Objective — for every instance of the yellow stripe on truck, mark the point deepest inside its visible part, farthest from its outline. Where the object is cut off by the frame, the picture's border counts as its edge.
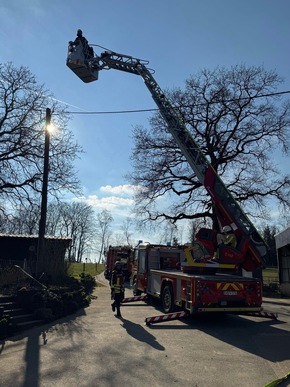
(230, 285)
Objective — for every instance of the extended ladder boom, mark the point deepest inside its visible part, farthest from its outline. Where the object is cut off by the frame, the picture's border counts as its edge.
(228, 210)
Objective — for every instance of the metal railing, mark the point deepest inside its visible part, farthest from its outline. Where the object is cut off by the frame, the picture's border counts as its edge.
(30, 276)
(12, 273)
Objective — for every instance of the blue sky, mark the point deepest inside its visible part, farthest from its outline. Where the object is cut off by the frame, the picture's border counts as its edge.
(178, 37)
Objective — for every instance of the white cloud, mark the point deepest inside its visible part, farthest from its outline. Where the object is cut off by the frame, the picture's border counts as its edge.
(112, 198)
(109, 203)
(119, 201)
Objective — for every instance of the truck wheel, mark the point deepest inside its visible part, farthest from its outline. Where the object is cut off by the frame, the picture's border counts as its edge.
(167, 299)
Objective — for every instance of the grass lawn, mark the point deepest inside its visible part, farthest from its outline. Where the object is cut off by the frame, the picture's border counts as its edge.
(75, 269)
(270, 275)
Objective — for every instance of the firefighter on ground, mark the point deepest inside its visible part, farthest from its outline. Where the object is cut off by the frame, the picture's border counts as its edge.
(117, 288)
(227, 238)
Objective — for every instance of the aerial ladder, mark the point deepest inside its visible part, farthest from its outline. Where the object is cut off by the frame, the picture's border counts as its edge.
(251, 252)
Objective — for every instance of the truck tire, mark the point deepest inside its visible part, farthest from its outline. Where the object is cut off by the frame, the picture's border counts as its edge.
(167, 299)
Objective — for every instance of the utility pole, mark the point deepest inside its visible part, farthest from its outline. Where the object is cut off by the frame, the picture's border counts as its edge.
(42, 222)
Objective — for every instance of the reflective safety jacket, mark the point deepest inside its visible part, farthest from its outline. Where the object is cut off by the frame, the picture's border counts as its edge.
(117, 282)
(230, 240)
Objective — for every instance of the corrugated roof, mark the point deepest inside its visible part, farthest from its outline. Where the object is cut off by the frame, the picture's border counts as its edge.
(33, 236)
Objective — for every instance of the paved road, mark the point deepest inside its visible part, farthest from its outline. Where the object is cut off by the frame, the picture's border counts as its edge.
(93, 348)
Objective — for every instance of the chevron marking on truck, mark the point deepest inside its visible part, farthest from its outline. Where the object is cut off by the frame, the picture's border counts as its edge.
(230, 285)
(165, 317)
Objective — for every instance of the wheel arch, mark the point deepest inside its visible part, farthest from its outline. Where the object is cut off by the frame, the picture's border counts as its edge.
(167, 281)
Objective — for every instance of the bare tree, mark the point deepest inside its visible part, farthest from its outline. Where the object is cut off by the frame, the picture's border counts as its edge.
(24, 220)
(54, 218)
(104, 220)
(194, 226)
(117, 239)
(22, 122)
(127, 223)
(284, 220)
(169, 233)
(77, 221)
(238, 122)
(269, 233)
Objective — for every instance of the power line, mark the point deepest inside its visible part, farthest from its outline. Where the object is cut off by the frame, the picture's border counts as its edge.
(118, 111)
(156, 109)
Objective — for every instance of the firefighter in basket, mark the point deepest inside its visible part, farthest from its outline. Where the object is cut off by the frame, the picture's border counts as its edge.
(227, 238)
(117, 288)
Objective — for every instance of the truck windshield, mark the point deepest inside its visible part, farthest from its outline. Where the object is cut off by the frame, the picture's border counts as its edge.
(142, 261)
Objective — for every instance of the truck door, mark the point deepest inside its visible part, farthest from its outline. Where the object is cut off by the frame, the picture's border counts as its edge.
(142, 270)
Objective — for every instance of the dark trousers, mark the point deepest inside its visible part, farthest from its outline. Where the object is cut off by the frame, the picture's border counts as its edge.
(118, 298)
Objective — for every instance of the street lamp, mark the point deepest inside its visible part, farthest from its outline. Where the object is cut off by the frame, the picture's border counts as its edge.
(42, 222)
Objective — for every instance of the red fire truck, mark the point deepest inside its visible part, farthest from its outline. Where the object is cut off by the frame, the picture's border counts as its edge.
(188, 276)
(121, 253)
(185, 276)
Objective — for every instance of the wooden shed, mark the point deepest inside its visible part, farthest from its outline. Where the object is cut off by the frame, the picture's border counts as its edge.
(21, 250)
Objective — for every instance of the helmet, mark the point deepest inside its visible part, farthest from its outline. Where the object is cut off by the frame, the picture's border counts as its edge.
(117, 265)
(227, 229)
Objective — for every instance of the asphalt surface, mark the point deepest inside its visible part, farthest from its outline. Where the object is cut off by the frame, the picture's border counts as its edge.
(94, 348)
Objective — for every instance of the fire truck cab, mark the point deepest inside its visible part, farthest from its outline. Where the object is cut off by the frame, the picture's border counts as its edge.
(123, 255)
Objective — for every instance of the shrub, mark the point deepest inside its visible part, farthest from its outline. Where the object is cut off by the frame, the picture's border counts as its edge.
(45, 314)
(88, 282)
(37, 299)
(4, 326)
(30, 298)
(24, 297)
(56, 301)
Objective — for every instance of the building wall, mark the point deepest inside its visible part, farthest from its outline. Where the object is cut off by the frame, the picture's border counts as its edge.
(283, 253)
